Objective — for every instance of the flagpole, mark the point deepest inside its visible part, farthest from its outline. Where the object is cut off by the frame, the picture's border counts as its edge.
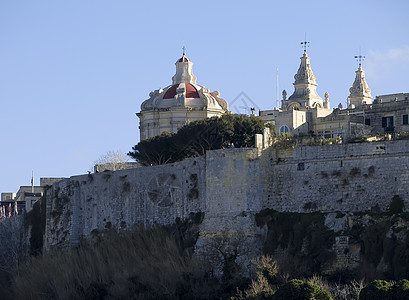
(32, 181)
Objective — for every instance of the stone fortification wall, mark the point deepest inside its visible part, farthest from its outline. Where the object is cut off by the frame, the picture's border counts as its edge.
(81, 205)
(235, 185)
(229, 187)
(14, 242)
(346, 177)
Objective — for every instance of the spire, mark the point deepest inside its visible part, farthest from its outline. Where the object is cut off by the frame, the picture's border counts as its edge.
(360, 93)
(184, 72)
(305, 86)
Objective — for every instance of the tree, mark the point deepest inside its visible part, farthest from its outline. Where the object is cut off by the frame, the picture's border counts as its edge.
(154, 151)
(112, 160)
(195, 138)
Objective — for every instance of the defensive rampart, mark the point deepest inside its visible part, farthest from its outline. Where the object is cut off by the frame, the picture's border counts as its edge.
(230, 187)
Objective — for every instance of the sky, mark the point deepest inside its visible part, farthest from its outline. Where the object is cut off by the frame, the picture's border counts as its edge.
(74, 73)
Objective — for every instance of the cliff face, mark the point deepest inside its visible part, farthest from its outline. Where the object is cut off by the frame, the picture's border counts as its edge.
(315, 201)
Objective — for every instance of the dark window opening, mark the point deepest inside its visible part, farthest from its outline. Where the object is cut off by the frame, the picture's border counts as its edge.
(300, 167)
(368, 122)
(405, 120)
(387, 123)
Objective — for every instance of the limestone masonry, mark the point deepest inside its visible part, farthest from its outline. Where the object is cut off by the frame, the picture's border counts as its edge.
(230, 187)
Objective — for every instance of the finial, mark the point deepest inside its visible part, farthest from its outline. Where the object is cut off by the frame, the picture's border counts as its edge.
(305, 43)
(184, 49)
(359, 58)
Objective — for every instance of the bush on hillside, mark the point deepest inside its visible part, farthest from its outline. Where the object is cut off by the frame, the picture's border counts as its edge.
(381, 289)
(299, 290)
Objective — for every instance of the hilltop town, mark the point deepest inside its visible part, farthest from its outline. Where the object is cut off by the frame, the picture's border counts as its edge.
(320, 203)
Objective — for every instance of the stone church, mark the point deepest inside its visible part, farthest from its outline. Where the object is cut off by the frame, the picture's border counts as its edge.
(304, 113)
(178, 104)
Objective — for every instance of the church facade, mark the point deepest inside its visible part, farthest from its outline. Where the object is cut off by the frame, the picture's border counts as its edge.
(304, 113)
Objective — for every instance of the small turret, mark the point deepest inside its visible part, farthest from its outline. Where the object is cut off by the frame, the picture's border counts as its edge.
(360, 93)
(184, 72)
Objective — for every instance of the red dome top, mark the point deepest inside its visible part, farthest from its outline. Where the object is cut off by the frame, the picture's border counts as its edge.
(184, 59)
(191, 91)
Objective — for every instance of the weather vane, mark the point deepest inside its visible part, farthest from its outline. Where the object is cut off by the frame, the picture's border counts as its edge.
(359, 58)
(305, 43)
(184, 49)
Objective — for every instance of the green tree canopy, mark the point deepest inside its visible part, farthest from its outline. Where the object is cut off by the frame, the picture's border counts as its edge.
(195, 138)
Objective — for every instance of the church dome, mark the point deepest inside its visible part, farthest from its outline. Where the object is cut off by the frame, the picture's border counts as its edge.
(182, 102)
(183, 59)
(191, 91)
(184, 92)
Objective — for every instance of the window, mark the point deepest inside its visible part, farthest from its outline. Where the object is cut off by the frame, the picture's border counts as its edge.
(405, 119)
(284, 129)
(387, 122)
(368, 122)
(300, 167)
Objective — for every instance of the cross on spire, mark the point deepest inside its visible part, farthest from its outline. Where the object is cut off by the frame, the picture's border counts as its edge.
(184, 50)
(359, 58)
(305, 43)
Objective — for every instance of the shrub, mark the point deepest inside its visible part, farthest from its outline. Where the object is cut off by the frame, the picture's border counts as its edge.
(298, 290)
(267, 278)
(377, 289)
(381, 289)
(400, 290)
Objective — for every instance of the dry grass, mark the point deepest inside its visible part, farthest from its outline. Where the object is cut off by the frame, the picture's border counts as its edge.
(142, 262)
(146, 264)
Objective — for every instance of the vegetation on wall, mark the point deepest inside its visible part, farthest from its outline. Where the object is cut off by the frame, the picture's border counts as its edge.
(303, 236)
(195, 138)
(303, 244)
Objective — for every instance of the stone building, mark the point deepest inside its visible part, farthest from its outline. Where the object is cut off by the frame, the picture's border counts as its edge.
(304, 112)
(184, 101)
(299, 112)
(28, 195)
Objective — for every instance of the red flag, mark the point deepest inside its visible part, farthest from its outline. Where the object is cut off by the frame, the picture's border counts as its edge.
(9, 214)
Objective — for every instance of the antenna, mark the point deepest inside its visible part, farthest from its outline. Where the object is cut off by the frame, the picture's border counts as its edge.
(184, 50)
(277, 89)
(305, 44)
(359, 58)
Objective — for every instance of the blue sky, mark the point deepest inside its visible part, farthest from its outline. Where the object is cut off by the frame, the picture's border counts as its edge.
(74, 73)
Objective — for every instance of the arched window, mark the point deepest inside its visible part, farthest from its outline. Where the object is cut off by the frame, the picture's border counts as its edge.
(284, 129)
